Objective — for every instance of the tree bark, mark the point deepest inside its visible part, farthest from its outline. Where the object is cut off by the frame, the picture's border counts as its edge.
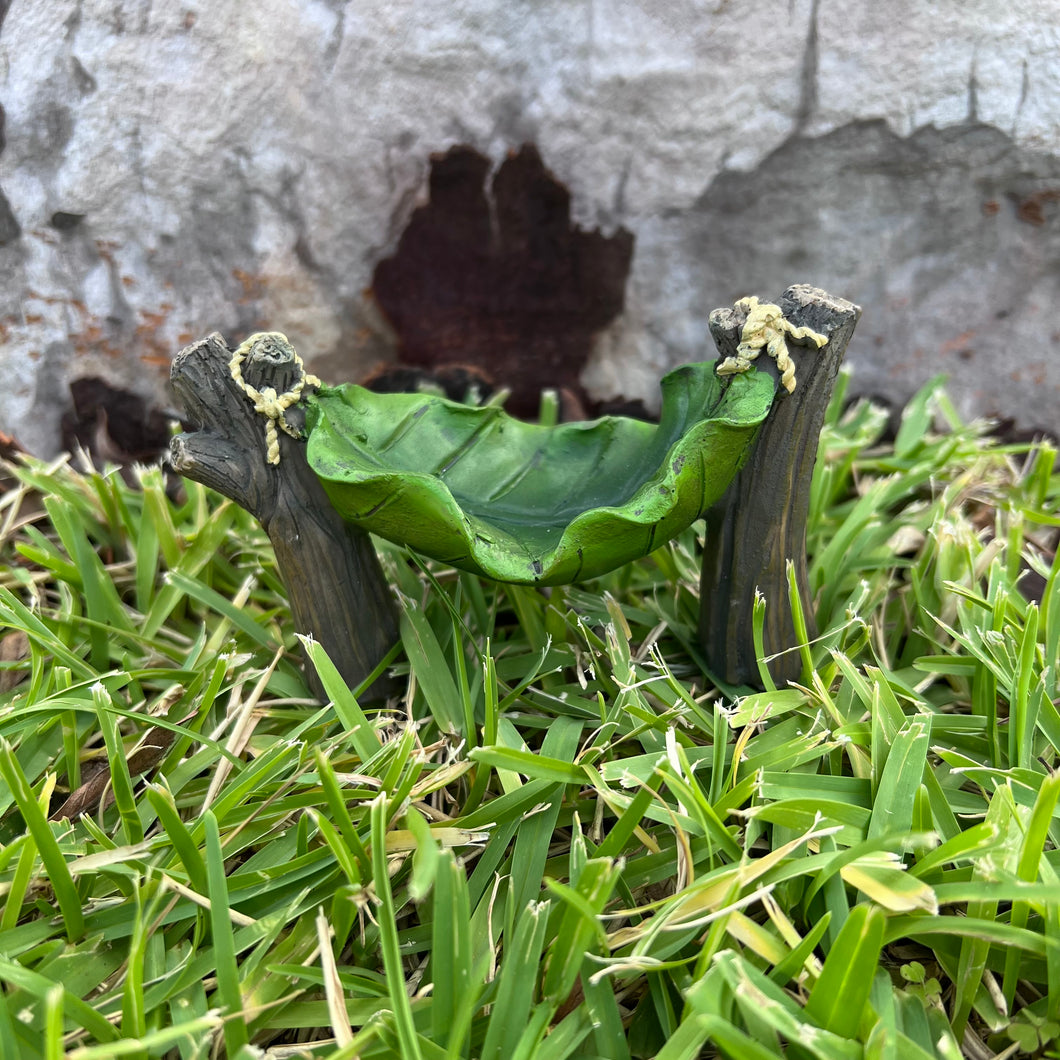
(336, 588)
(760, 523)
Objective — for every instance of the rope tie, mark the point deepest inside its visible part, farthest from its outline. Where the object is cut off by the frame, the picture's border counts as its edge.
(266, 401)
(766, 326)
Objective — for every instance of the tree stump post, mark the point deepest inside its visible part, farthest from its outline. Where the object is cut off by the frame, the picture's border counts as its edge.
(335, 586)
(760, 522)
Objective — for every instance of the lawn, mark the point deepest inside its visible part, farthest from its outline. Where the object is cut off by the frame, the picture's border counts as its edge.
(561, 839)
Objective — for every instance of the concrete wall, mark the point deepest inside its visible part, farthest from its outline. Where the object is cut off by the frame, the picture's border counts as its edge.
(174, 167)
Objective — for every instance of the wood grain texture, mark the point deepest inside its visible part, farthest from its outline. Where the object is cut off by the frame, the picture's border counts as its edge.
(760, 523)
(335, 586)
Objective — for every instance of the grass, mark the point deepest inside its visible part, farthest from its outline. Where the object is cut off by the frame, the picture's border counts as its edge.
(563, 841)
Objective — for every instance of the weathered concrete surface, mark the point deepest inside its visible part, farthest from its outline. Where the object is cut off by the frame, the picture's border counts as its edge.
(949, 238)
(175, 167)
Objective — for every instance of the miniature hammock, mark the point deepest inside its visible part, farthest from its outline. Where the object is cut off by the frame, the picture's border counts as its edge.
(520, 502)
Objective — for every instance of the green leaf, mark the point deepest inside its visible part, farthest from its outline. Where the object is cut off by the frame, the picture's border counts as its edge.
(53, 1023)
(361, 733)
(900, 780)
(791, 965)
(764, 1005)
(162, 802)
(429, 664)
(238, 616)
(917, 417)
(733, 1041)
(388, 935)
(536, 766)
(121, 781)
(229, 992)
(536, 831)
(687, 1041)
(1031, 855)
(36, 985)
(451, 965)
(424, 856)
(606, 1018)
(882, 877)
(133, 1015)
(527, 503)
(579, 924)
(14, 613)
(838, 997)
(9, 1047)
(518, 978)
(51, 855)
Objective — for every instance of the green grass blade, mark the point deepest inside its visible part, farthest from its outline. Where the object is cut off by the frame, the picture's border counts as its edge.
(201, 550)
(226, 967)
(798, 617)
(451, 960)
(605, 1016)
(359, 729)
(37, 986)
(121, 781)
(388, 936)
(66, 896)
(186, 849)
(1035, 839)
(791, 966)
(340, 815)
(158, 514)
(517, 983)
(535, 834)
(9, 1044)
(838, 998)
(536, 766)
(53, 1023)
(240, 617)
(18, 884)
(16, 615)
(431, 668)
(579, 925)
(1020, 724)
(896, 792)
(133, 1014)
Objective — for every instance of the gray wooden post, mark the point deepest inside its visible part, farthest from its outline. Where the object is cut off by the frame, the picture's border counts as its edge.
(760, 523)
(335, 586)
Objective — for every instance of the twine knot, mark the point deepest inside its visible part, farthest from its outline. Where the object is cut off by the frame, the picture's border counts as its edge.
(766, 326)
(267, 401)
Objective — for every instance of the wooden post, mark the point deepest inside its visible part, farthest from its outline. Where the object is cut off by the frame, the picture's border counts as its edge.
(335, 585)
(760, 523)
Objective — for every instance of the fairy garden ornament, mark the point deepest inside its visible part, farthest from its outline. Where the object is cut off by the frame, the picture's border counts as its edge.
(322, 467)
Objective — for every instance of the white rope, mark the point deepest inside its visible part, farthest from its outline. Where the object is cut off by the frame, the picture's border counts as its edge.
(267, 401)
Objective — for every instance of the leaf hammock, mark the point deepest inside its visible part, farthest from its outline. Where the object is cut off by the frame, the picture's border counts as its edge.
(520, 502)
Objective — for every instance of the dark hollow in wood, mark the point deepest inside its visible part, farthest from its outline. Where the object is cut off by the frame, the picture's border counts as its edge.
(335, 585)
(760, 523)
